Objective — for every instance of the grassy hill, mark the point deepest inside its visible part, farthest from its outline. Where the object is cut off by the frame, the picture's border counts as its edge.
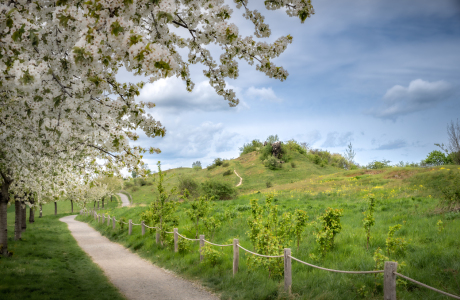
(411, 197)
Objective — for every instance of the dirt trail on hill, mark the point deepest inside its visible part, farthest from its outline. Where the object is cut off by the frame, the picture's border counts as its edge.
(124, 199)
(136, 278)
(241, 179)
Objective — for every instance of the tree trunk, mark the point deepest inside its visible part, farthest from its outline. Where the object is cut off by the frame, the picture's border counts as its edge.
(55, 208)
(71, 204)
(17, 220)
(102, 202)
(31, 210)
(111, 198)
(40, 211)
(4, 227)
(23, 216)
(97, 204)
(94, 204)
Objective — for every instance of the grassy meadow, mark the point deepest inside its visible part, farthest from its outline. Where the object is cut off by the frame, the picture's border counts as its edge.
(407, 196)
(48, 263)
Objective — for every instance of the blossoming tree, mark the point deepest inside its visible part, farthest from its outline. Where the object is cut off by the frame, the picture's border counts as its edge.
(59, 97)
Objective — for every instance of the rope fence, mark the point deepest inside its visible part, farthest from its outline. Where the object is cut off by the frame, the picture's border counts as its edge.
(389, 272)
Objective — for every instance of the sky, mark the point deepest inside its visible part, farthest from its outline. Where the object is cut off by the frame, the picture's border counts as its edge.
(383, 75)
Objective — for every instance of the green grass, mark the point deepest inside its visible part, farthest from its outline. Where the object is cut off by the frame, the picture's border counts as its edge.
(48, 264)
(404, 196)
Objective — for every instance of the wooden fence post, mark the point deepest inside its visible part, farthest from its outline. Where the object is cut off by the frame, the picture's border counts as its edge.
(130, 227)
(113, 222)
(157, 236)
(143, 227)
(176, 237)
(389, 280)
(236, 256)
(201, 245)
(103, 219)
(108, 220)
(287, 270)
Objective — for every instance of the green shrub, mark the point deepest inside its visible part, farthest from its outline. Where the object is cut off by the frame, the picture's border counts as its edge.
(190, 184)
(294, 146)
(269, 184)
(228, 172)
(272, 163)
(225, 164)
(210, 167)
(196, 165)
(293, 164)
(218, 162)
(218, 189)
(255, 145)
(243, 207)
(378, 164)
(128, 184)
(327, 226)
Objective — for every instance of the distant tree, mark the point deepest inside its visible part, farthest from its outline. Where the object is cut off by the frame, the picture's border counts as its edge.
(437, 158)
(196, 165)
(379, 164)
(134, 174)
(272, 138)
(255, 145)
(453, 132)
(350, 154)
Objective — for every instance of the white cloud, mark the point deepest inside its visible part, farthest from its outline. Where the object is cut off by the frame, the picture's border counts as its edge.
(419, 95)
(262, 94)
(334, 139)
(310, 137)
(170, 95)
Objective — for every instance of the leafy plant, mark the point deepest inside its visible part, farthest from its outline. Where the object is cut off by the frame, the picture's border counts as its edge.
(327, 226)
(369, 219)
(211, 255)
(211, 224)
(269, 234)
(268, 183)
(199, 209)
(184, 245)
(395, 245)
(300, 222)
(378, 164)
(196, 165)
(293, 164)
(218, 162)
(122, 222)
(161, 211)
(225, 164)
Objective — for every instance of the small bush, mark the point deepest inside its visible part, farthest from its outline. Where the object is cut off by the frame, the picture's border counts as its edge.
(293, 164)
(225, 164)
(210, 167)
(228, 172)
(255, 145)
(243, 207)
(378, 164)
(128, 184)
(218, 162)
(272, 163)
(218, 189)
(269, 184)
(190, 184)
(135, 188)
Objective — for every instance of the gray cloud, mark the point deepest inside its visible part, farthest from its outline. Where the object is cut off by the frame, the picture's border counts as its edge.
(310, 137)
(396, 144)
(419, 95)
(334, 139)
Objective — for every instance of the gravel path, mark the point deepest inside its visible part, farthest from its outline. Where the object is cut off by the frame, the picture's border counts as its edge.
(124, 199)
(241, 179)
(135, 277)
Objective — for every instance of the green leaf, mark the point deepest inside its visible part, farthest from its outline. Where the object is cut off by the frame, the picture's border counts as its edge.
(18, 33)
(162, 65)
(116, 28)
(163, 14)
